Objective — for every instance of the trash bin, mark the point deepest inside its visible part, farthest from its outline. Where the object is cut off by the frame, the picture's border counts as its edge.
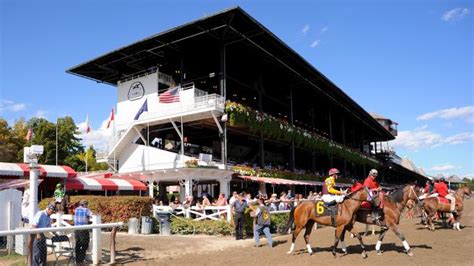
(133, 226)
(147, 225)
(164, 220)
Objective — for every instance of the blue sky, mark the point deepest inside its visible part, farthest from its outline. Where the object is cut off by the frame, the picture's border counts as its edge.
(411, 61)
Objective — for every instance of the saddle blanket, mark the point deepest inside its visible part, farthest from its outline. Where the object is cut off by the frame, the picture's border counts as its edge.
(443, 200)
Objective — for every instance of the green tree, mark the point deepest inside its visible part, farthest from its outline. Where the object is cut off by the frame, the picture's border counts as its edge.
(44, 133)
(79, 160)
(19, 131)
(8, 149)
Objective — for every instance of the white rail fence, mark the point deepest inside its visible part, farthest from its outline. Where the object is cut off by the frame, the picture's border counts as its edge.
(62, 227)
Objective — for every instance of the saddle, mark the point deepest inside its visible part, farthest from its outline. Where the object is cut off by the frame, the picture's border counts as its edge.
(327, 209)
(443, 200)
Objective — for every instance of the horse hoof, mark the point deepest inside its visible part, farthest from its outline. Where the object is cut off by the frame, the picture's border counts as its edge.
(289, 253)
(364, 255)
(409, 253)
(379, 252)
(311, 253)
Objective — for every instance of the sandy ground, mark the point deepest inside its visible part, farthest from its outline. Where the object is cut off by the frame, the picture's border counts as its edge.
(442, 247)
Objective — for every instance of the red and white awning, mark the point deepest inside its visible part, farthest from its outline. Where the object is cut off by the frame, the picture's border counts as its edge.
(9, 170)
(17, 183)
(102, 184)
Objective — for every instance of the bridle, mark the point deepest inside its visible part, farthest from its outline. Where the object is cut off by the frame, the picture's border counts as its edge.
(369, 196)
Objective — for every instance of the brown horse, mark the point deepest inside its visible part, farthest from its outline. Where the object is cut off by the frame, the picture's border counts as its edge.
(392, 209)
(432, 205)
(306, 214)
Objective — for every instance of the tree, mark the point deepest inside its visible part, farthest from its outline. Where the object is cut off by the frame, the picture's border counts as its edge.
(8, 149)
(78, 161)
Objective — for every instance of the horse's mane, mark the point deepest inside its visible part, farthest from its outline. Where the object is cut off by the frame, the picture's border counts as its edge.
(397, 196)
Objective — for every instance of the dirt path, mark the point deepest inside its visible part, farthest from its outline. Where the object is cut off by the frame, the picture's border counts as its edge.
(442, 247)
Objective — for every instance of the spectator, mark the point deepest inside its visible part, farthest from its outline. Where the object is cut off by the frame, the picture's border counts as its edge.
(81, 217)
(221, 201)
(263, 220)
(205, 201)
(233, 198)
(273, 202)
(41, 219)
(175, 204)
(238, 208)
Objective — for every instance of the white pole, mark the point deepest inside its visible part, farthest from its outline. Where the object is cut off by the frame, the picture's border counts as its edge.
(96, 241)
(33, 207)
(57, 122)
(115, 159)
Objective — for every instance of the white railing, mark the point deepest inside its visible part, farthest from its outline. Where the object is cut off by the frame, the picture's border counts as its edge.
(96, 236)
(213, 212)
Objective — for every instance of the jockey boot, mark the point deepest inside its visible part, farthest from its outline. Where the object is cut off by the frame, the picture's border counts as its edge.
(331, 203)
(454, 212)
(376, 218)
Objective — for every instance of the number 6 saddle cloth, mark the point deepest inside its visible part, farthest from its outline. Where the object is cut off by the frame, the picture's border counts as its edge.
(326, 209)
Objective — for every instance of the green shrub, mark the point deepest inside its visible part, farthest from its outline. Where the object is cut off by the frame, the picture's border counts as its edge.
(113, 208)
(208, 227)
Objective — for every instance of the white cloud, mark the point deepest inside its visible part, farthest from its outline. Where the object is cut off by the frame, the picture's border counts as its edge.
(11, 106)
(323, 30)
(460, 138)
(101, 138)
(422, 138)
(305, 29)
(315, 43)
(41, 114)
(456, 14)
(466, 112)
(442, 167)
(417, 139)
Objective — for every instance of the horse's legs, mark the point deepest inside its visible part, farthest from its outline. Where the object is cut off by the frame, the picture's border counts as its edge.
(298, 229)
(307, 233)
(397, 232)
(343, 244)
(337, 234)
(350, 228)
(379, 241)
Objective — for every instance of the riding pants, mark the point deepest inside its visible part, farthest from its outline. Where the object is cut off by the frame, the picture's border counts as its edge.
(452, 199)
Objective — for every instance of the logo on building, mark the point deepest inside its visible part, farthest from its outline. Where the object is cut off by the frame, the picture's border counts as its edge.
(136, 91)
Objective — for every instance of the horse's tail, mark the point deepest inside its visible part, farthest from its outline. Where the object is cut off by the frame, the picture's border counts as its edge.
(291, 219)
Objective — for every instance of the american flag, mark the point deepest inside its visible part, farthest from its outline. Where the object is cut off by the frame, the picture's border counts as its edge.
(170, 96)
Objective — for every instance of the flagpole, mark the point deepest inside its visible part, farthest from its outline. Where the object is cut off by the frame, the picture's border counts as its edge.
(57, 122)
(86, 159)
(113, 129)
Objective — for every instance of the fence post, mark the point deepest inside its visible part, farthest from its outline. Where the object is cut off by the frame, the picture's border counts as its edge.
(229, 213)
(59, 223)
(96, 241)
(112, 245)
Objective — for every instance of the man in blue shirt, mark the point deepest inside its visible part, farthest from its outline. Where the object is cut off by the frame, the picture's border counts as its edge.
(81, 217)
(42, 219)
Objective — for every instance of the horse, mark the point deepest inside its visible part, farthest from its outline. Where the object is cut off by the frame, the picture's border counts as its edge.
(307, 213)
(392, 209)
(63, 205)
(433, 205)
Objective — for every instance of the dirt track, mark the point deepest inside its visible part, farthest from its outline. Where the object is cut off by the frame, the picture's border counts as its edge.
(442, 247)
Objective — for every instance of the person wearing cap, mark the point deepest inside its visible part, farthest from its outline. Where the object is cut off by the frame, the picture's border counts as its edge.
(371, 183)
(262, 223)
(82, 214)
(58, 193)
(41, 219)
(330, 193)
(442, 189)
(356, 185)
(238, 208)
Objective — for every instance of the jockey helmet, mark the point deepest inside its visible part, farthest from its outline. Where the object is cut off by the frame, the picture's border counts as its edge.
(373, 172)
(334, 171)
(442, 179)
(59, 185)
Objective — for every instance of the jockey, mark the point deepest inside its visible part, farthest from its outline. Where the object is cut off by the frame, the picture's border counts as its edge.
(356, 185)
(58, 193)
(442, 190)
(375, 188)
(330, 194)
(428, 190)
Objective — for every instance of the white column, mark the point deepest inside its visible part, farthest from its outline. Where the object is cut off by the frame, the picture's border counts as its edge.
(224, 187)
(33, 207)
(150, 187)
(96, 240)
(188, 187)
(262, 187)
